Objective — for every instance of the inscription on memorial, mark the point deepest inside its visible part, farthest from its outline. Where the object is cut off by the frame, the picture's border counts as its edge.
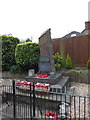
(44, 59)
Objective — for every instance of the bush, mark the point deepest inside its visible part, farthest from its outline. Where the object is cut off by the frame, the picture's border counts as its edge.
(57, 66)
(8, 51)
(15, 69)
(88, 63)
(27, 55)
(68, 62)
(58, 60)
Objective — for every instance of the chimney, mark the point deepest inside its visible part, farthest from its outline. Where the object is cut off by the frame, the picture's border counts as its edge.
(87, 25)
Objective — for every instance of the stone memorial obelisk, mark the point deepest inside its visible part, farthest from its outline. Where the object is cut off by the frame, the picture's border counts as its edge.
(46, 63)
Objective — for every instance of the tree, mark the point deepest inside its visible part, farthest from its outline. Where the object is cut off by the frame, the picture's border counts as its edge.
(28, 40)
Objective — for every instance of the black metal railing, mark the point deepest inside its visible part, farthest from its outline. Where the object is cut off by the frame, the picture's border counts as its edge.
(28, 103)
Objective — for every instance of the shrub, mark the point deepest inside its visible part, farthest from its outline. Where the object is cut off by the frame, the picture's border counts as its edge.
(68, 62)
(27, 55)
(15, 69)
(58, 60)
(88, 63)
(57, 66)
(8, 51)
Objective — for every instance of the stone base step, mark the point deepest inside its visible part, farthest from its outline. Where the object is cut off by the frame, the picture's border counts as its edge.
(61, 85)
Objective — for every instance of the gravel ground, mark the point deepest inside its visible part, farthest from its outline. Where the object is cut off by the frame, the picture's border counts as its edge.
(81, 105)
(81, 89)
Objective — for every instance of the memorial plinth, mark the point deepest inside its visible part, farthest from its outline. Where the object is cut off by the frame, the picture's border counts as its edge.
(50, 80)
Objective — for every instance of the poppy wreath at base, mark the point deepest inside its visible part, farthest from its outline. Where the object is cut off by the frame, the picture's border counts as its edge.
(37, 86)
(43, 75)
(51, 115)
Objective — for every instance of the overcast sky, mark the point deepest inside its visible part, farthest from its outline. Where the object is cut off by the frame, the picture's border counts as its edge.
(30, 18)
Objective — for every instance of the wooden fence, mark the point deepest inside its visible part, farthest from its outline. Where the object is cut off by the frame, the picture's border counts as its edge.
(77, 47)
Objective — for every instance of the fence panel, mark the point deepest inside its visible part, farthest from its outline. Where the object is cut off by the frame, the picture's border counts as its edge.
(77, 47)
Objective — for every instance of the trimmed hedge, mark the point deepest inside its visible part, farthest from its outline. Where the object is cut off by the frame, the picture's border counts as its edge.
(8, 51)
(27, 55)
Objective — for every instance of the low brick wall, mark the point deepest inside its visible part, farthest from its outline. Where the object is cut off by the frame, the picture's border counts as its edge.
(75, 77)
(10, 75)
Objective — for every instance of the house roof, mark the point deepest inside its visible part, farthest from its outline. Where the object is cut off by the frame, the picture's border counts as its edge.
(69, 35)
(72, 34)
(86, 31)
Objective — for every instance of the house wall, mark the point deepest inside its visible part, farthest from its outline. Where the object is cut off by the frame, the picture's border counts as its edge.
(76, 47)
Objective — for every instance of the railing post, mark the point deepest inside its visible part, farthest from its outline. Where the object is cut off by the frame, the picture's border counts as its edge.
(14, 100)
(30, 102)
(33, 100)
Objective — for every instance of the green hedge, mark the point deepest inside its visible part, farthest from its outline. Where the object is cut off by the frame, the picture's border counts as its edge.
(27, 55)
(8, 51)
